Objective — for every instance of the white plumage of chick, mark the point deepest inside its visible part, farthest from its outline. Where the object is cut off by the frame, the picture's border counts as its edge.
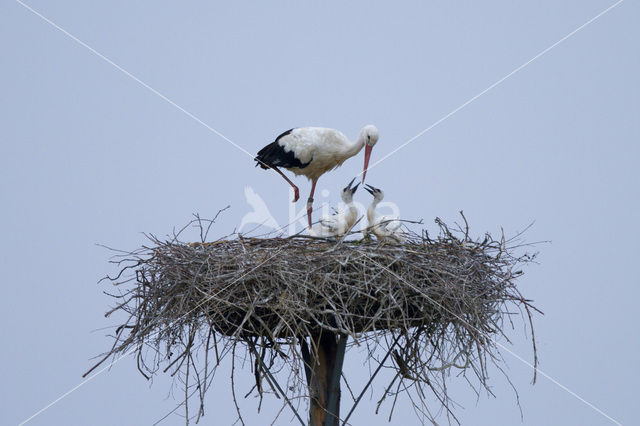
(339, 223)
(385, 228)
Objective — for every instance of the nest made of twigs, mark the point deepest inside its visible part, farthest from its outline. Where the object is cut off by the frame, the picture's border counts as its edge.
(441, 301)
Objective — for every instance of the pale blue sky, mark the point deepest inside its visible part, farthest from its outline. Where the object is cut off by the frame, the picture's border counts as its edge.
(89, 156)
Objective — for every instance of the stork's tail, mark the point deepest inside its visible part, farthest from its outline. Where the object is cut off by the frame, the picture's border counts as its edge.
(262, 159)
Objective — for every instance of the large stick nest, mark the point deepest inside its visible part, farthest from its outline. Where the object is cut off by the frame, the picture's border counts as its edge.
(434, 304)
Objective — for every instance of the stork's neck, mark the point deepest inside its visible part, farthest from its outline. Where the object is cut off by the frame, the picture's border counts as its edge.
(352, 213)
(356, 146)
(371, 211)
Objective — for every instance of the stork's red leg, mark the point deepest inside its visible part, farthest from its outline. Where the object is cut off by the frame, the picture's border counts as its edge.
(295, 188)
(310, 201)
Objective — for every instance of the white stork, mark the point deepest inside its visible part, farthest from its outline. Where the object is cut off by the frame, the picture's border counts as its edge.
(313, 151)
(339, 223)
(385, 228)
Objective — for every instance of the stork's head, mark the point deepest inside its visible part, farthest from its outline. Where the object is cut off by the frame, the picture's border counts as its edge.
(378, 194)
(348, 191)
(369, 134)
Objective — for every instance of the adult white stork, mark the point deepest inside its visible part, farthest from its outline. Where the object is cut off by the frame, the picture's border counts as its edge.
(385, 228)
(340, 223)
(313, 151)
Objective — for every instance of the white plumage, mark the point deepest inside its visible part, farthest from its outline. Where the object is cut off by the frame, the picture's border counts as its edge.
(339, 223)
(384, 227)
(313, 151)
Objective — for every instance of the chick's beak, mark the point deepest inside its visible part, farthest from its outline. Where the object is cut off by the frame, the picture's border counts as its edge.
(348, 187)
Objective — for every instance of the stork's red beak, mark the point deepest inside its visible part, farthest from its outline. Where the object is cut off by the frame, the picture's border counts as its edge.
(367, 155)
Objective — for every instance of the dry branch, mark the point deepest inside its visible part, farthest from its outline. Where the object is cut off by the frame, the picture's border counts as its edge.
(441, 301)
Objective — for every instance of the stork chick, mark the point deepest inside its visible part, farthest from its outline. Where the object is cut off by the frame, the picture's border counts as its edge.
(339, 223)
(384, 227)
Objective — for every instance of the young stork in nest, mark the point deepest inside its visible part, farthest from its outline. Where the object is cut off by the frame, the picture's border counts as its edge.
(385, 228)
(339, 223)
(313, 151)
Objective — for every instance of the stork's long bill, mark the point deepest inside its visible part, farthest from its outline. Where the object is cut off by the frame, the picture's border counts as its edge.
(367, 155)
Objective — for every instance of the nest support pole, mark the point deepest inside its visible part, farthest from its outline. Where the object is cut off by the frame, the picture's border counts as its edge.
(323, 368)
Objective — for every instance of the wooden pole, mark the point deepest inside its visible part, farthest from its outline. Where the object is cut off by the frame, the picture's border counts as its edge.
(324, 368)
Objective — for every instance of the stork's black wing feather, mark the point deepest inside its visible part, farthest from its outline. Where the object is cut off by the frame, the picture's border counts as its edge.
(283, 134)
(274, 155)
